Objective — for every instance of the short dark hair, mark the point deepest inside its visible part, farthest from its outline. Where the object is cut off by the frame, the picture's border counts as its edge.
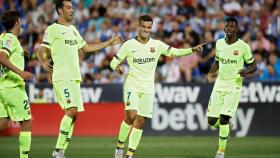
(9, 19)
(145, 18)
(232, 19)
(59, 4)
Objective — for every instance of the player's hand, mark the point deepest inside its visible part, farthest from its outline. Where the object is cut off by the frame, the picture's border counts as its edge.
(198, 48)
(243, 73)
(120, 69)
(26, 75)
(116, 40)
(47, 66)
(212, 77)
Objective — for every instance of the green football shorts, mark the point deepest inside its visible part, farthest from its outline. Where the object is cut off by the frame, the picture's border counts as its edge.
(68, 94)
(141, 102)
(223, 103)
(14, 104)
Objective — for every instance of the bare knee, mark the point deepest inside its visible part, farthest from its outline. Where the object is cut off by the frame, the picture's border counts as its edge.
(140, 122)
(224, 119)
(130, 117)
(212, 120)
(26, 125)
(72, 112)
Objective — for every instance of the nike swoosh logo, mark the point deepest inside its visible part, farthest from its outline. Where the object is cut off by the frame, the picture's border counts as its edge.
(134, 51)
(63, 33)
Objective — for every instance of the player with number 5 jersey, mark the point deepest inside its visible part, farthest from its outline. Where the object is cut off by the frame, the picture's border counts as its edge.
(63, 43)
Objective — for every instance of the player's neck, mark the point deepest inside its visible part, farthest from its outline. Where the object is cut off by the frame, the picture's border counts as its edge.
(13, 31)
(231, 40)
(62, 21)
(142, 40)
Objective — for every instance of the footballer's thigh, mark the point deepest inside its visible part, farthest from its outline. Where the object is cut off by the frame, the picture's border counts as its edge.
(146, 105)
(18, 109)
(131, 100)
(215, 104)
(68, 93)
(230, 104)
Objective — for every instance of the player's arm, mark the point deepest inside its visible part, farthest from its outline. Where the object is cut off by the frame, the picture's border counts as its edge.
(89, 48)
(250, 68)
(43, 55)
(174, 52)
(213, 72)
(115, 64)
(4, 60)
(250, 65)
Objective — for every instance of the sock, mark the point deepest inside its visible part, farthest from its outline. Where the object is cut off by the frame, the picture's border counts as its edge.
(69, 136)
(217, 124)
(223, 137)
(65, 127)
(124, 131)
(130, 152)
(134, 139)
(24, 143)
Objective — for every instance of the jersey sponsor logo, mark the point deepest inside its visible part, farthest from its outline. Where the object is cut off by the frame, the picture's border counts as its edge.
(71, 42)
(228, 61)
(152, 49)
(235, 52)
(143, 60)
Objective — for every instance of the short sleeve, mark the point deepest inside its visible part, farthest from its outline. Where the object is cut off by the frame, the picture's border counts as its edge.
(81, 41)
(123, 52)
(48, 38)
(217, 56)
(8, 44)
(248, 56)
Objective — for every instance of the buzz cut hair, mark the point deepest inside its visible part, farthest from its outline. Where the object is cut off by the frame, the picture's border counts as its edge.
(59, 4)
(232, 19)
(145, 18)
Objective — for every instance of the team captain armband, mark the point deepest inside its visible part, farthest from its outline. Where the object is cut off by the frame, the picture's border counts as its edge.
(179, 52)
(115, 62)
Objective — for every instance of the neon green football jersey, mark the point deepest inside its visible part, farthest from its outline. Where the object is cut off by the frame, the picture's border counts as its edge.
(64, 43)
(10, 44)
(142, 60)
(231, 59)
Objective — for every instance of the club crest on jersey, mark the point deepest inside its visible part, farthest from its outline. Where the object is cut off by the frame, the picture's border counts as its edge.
(8, 43)
(152, 49)
(235, 52)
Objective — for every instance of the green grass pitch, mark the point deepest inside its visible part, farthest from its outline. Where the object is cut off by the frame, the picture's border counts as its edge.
(150, 147)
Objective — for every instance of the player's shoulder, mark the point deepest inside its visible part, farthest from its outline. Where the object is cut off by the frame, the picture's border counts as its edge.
(129, 42)
(8, 36)
(220, 41)
(241, 42)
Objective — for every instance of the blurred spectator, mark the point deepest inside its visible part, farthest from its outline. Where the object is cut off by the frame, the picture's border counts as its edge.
(176, 22)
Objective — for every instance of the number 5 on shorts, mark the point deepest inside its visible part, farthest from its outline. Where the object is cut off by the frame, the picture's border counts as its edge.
(66, 93)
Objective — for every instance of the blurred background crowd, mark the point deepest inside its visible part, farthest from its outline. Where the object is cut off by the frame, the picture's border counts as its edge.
(179, 23)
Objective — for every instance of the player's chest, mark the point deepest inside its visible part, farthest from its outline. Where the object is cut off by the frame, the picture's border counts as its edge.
(67, 37)
(230, 53)
(143, 51)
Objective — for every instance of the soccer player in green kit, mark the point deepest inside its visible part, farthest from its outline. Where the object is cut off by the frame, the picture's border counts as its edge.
(63, 42)
(231, 56)
(142, 54)
(12, 77)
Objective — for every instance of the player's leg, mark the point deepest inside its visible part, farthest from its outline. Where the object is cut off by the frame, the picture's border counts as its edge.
(4, 119)
(131, 101)
(213, 110)
(19, 110)
(25, 138)
(230, 103)
(69, 97)
(145, 111)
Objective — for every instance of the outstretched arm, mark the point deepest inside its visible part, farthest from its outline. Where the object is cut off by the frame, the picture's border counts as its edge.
(174, 52)
(89, 48)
